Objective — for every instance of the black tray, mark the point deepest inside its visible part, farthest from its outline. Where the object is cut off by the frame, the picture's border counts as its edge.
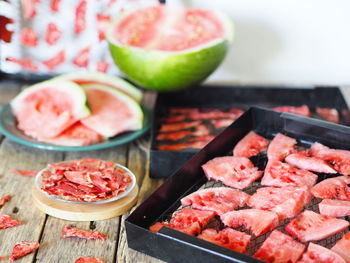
(173, 246)
(165, 163)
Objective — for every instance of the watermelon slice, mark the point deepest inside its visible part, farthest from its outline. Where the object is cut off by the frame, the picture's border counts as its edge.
(83, 78)
(238, 172)
(309, 163)
(340, 159)
(250, 145)
(310, 226)
(280, 146)
(113, 112)
(298, 110)
(46, 109)
(219, 199)
(6, 221)
(23, 248)
(342, 247)
(228, 237)
(280, 248)
(329, 114)
(76, 135)
(286, 202)
(283, 174)
(258, 221)
(319, 254)
(333, 188)
(334, 208)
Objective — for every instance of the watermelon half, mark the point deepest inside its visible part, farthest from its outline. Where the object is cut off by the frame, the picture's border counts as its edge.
(48, 108)
(112, 112)
(165, 48)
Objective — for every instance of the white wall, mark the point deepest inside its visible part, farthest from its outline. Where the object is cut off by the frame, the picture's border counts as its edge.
(285, 41)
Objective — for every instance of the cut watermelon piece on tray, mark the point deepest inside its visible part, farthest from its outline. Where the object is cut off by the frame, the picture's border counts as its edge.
(251, 145)
(310, 226)
(309, 163)
(228, 237)
(334, 208)
(48, 108)
(23, 248)
(318, 254)
(283, 174)
(256, 220)
(342, 247)
(328, 114)
(112, 112)
(298, 110)
(340, 159)
(218, 199)
(333, 188)
(280, 146)
(286, 202)
(83, 78)
(238, 172)
(76, 135)
(6, 221)
(280, 248)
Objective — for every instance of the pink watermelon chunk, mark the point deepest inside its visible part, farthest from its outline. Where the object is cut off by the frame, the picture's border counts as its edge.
(309, 163)
(299, 110)
(280, 248)
(310, 226)
(218, 199)
(258, 221)
(286, 202)
(228, 237)
(238, 172)
(113, 112)
(319, 254)
(329, 114)
(333, 188)
(250, 145)
(334, 208)
(283, 174)
(342, 247)
(280, 147)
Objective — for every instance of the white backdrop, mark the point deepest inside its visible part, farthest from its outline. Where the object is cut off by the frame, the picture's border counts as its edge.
(285, 41)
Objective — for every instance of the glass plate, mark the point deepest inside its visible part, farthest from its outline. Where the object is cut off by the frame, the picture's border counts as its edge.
(8, 127)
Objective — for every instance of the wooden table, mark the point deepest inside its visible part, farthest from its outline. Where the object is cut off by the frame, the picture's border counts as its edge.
(37, 226)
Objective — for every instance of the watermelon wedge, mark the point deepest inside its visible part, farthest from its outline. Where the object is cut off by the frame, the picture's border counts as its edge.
(228, 237)
(280, 146)
(258, 221)
(48, 108)
(218, 199)
(319, 254)
(112, 112)
(310, 226)
(342, 247)
(329, 114)
(333, 188)
(298, 110)
(83, 78)
(280, 248)
(250, 145)
(334, 208)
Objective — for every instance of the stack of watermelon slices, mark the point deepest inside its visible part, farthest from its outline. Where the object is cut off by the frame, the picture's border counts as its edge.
(78, 109)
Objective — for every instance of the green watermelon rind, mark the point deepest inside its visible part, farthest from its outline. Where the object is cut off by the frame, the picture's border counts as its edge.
(80, 103)
(133, 105)
(98, 78)
(165, 70)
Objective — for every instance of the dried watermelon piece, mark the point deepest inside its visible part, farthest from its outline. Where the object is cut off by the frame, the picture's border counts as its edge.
(6, 221)
(4, 200)
(251, 145)
(80, 19)
(89, 260)
(29, 8)
(221, 123)
(24, 63)
(29, 173)
(333, 188)
(328, 114)
(301, 110)
(316, 254)
(102, 66)
(342, 247)
(334, 208)
(53, 34)
(209, 114)
(102, 23)
(55, 61)
(178, 126)
(82, 58)
(69, 231)
(55, 5)
(280, 146)
(29, 37)
(23, 248)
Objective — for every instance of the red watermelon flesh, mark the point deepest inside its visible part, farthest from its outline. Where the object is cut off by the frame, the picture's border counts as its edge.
(310, 226)
(280, 147)
(76, 135)
(329, 114)
(286, 202)
(192, 229)
(280, 248)
(228, 237)
(340, 159)
(309, 163)
(258, 221)
(250, 145)
(319, 254)
(219, 199)
(301, 110)
(333, 188)
(161, 29)
(334, 208)
(238, 172)
(283, 174)
(342, 247)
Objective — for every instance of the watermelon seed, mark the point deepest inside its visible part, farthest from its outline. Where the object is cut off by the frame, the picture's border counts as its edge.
(15, 210)
(92, 225)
